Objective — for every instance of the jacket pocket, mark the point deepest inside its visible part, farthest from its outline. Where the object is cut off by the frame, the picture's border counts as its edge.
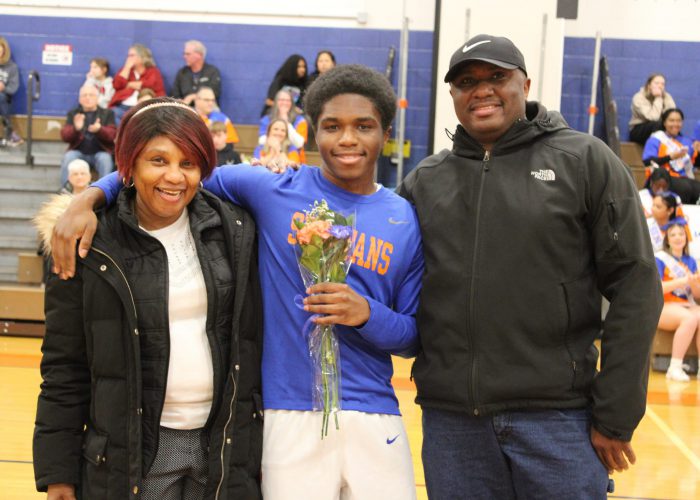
(583, 304)
(95, 447)
(95, 477)
(626, 236)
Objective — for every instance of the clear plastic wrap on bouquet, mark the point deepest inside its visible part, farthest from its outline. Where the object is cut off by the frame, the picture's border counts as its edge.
(324, 253)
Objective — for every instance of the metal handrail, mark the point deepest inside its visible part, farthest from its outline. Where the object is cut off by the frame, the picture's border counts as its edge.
(33, 94)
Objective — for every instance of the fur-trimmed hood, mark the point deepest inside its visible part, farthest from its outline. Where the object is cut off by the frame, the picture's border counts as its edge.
(45, 219)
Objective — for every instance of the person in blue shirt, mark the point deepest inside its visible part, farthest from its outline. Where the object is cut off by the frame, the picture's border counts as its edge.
(351, 108)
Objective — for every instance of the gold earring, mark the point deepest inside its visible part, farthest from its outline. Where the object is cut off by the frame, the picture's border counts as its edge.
(126, 183)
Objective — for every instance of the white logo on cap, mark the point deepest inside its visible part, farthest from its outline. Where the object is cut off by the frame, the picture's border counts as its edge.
(470, 47)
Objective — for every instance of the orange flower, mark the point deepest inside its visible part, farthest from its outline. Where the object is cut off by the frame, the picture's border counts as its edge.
(319, 227)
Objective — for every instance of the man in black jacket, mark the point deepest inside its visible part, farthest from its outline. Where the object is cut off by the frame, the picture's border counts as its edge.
(195, 74)
(525, 224)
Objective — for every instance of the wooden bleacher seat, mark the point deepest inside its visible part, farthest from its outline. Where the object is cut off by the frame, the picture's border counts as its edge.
(22, 310)
(661, 350)
(632, 155)
(48, 128)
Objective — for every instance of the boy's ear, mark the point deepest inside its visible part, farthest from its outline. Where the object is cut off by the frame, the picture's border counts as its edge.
(387, 134)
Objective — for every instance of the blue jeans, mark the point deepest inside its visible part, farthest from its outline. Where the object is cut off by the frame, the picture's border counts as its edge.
(119, 111)
(100, 161)
(513, 454)
(5, 114)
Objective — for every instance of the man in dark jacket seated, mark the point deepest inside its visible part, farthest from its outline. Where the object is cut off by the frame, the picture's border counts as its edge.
(89, 132)
(195, 74)
(549, 219)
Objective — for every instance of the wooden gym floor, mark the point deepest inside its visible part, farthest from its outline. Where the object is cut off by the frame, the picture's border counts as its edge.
(667, 441)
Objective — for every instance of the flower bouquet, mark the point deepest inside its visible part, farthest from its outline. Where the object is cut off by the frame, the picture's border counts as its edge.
(324, 253)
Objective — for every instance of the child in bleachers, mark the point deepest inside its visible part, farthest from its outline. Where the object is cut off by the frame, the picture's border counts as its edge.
(99, 77)
(681, 287)
(225, 154)
(9, 83)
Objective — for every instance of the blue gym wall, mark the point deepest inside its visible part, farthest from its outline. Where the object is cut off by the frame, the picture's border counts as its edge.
(630, 63)
(247, 55)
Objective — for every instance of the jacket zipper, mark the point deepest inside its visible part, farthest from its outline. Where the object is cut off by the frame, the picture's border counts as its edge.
(224, 438)
(612, 217)
(133, 303)
(472, 285)
(139, 410)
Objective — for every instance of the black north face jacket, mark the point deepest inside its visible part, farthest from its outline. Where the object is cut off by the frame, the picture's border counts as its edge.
(106, 352)
(519, 246)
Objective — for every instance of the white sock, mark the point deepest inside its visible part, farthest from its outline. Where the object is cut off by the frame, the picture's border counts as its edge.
(676, 363)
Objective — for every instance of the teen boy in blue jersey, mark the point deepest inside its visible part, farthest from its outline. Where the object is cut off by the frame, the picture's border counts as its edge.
(351, 108)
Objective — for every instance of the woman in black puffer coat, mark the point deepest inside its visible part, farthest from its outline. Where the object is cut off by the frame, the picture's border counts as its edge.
(118, 401)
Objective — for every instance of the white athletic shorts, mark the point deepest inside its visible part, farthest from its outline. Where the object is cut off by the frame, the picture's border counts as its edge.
(368, 458)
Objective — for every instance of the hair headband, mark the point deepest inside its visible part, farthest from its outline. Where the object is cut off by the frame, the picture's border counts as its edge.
(678, 221)
(162, 104)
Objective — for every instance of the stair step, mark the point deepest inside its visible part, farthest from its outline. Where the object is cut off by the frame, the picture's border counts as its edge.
(19, 243)
(31, 199)
(22, 228)
(16, 213)
(27, 184)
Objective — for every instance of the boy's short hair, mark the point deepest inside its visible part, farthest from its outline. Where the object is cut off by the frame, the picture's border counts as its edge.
(102, 63)
(78, 164)
(351, 79)
(217, 127)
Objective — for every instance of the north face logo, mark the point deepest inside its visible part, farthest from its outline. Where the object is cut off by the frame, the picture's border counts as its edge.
(543, 175)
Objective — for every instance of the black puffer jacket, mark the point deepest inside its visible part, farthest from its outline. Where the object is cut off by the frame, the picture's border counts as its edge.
(106, 351)
(519, 244)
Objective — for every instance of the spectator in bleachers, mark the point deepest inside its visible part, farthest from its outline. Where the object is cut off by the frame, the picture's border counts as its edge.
(9, 83)
(225, 154)
(291, 76)
(663, 210)
(195, 74)
(146, 95)
(672, 151)
(658, 182)
(298, 129)
(89, 131)
(681, 286)
(78, 177)
(205, 105)
(277, 149)
(139, 72)
(99, 77)
(647, 106)
(325, 60)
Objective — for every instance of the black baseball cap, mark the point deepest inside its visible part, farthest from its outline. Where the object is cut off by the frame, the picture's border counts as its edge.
(496, 50)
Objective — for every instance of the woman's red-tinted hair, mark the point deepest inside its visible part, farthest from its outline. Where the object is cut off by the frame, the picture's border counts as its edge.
(175, 121)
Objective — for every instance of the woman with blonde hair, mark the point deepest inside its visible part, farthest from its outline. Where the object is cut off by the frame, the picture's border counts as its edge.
(647, 106)
(9, 83)
(681, 286)
(139, 72)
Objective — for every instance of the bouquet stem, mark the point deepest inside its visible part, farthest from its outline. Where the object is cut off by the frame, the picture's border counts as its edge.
(330, 377)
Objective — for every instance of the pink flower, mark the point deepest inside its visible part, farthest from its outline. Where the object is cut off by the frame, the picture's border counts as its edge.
(318, 227)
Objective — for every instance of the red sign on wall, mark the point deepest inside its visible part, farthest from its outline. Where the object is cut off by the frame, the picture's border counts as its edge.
(57, 54)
